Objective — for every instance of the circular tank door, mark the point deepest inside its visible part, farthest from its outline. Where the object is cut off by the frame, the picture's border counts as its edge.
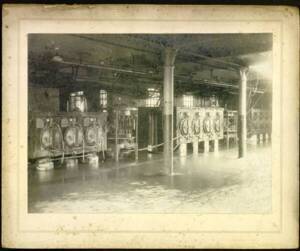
(207, 124)
(217, 123)
(70, 136)
(196, 124)
(79, 138)
(57, 138)
(46, 138)
(91, 135)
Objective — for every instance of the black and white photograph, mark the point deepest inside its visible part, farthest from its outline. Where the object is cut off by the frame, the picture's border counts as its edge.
(149, 123)
(150, 126)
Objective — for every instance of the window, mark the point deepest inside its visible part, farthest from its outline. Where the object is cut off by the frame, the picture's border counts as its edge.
(103, 98)
(77, 101)
(153, 99)
(188, 100)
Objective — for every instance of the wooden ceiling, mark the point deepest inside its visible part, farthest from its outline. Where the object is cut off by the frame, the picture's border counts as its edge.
(134, 62)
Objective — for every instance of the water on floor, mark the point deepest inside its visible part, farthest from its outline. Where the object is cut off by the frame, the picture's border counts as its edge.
(207, 183)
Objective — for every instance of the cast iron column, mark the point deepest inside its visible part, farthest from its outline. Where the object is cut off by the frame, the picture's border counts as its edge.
(242, 127)
(168, 107)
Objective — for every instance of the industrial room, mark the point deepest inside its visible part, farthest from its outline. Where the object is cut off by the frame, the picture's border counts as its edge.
(149, 123)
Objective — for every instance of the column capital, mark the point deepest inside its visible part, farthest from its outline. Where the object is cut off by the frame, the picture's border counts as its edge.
(244, 71)
(169, 55)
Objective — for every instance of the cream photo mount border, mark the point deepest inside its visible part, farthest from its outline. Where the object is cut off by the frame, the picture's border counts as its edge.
(249, 225)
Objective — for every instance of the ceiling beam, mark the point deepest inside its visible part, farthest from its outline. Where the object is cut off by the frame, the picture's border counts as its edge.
(101, 67)
(213, 61)
(224, 64)
(248, 54)
(115, 44)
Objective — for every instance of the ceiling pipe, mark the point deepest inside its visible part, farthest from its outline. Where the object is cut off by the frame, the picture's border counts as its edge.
(100, 67)
(232, 66)
(130, 89)
(181, 51)
(214, 83)
(115, 44)
(138, 38)
(202, 63)
(144, 75)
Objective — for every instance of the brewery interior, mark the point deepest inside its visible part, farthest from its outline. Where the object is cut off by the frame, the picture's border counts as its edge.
(164, 115)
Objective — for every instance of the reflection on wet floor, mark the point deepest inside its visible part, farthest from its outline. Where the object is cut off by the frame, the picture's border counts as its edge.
(205, 183)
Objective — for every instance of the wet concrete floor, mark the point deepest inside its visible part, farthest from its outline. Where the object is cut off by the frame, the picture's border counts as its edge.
(207, 183)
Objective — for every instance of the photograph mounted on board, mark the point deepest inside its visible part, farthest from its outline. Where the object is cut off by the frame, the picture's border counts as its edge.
(130, 123)
(150, 126)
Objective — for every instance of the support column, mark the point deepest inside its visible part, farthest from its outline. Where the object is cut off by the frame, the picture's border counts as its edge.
(227, 141)
(206, 146)
(216, 145)
(44, 164)
(183, 150)
(93, 160)
(136, 137)
(155, 128)
(264, 137)
(242, 128)
(151, 135)
(168, 107)
(116, 137)
(71, 163)
(195, 147)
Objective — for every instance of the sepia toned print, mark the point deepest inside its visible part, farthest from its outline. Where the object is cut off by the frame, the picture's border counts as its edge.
(146, 126)
(99, 122)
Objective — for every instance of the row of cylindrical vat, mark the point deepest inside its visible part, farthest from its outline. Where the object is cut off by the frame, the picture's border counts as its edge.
(53, 135)
(205, 124)
(199, 124)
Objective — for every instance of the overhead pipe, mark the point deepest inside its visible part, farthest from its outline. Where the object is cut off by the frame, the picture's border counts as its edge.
(180, 52)
(136, 37)
(115, 44)
(230, 86)
(144, 74)
(112, 85)
(233, 66)
(100, 67)
(202, 81)
(199, 81)
(218, 84)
